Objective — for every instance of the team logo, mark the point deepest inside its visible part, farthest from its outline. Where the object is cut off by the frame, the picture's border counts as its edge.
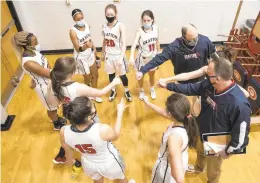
(237, 75)
(252, 92)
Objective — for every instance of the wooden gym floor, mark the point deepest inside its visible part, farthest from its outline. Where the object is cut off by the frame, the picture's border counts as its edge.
(30, 145)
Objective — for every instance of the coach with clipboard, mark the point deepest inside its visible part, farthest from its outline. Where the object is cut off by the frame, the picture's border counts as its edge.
(224, 108)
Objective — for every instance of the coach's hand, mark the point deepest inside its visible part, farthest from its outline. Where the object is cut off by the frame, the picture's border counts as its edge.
(139, 75)
(161, 84)
(223, 154)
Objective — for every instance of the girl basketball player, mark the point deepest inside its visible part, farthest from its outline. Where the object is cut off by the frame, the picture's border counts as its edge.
(84, 50)
(113, 50)
(36, 65)
(182, 133)
(148, 39)
(99, 157)
(66, 90)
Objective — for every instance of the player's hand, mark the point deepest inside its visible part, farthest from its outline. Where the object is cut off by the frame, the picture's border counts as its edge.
(161, 84)
(223, 154)
(121, 106)
(87, 45)
(139, 75)
(163, 80)
(33, 84)
(116, 81)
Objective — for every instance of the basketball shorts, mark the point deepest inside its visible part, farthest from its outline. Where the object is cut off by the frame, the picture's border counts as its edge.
(83, 63)
(111, 66)
(111, 167)
(41, 90)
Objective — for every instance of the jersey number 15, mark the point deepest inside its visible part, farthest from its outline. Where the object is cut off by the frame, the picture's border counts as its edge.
(86, 148)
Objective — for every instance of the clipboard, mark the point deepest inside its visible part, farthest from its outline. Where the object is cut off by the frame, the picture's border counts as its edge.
(221, 139)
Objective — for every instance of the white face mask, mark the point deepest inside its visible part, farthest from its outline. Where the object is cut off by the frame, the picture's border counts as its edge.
(80, 23)
(38, 47)
(147, 25)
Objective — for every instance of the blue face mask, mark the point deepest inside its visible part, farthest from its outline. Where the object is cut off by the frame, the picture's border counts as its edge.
(147, 26)
(81, 23)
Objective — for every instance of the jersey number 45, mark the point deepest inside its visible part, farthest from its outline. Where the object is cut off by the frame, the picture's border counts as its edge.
(86, 148)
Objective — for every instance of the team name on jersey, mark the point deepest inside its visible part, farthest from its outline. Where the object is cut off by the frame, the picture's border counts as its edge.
(111, 35)
(191, 56)
(150, 40)
(84, 38)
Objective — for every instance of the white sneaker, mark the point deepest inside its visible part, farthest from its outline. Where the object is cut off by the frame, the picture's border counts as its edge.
(153, 94)
(98, 100)
(131, 181)
(141, 95)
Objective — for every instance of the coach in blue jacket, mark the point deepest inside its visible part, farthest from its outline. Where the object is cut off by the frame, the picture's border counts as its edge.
(224, 108)
(187, 53)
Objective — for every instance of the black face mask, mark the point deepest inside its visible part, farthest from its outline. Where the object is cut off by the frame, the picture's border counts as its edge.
(110, 19)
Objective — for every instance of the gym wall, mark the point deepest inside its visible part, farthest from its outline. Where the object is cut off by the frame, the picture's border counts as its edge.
(51, 20)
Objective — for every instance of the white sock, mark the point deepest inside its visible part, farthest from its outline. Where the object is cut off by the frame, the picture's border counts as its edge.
(126, 89)
(152, 88)
(113, 89)
(142, 90)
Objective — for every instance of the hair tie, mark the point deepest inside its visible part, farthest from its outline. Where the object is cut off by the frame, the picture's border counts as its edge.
(189, 116)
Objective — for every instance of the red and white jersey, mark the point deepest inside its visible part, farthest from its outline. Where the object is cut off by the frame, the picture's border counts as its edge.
(113, 39)
(164, 153)
(147, 42)
(42, 61)
(88, 142)
(83, 37)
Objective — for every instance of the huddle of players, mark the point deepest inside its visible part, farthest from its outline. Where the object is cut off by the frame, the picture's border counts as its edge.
(86, 134)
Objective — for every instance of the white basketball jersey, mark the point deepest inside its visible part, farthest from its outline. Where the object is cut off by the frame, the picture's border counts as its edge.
(113, 39)
(164, 153)
(83, 37)
(42, 61)
(88, 142)
(70, 91)
(147, 42)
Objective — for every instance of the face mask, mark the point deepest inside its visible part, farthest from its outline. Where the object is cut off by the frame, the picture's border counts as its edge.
(147, 26)
(80, 23)
(38, 47)
(110, 19)
(190, 43)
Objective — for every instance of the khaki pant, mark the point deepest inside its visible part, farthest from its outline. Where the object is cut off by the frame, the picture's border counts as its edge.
(213, 163)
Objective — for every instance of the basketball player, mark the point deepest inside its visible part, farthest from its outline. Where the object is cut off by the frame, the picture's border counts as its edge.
(113, 50)
(148, 39)
(99, 157)
(173, 154)
(84, 50)
(37, 67)
(187, 53)
(224, 108)
(65, 89)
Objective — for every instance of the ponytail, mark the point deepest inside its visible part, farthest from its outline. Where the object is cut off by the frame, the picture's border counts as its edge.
(18, 48)
(191, 126)
(56, 86)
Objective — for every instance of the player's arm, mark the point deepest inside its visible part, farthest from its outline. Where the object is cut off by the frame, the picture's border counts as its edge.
(133, 47)
(74, 40)
(51, 98)
(240, 117)
(158, 42)
(157, 60)
(111, 134)
(84, 90)
(36, 68)
(244, 91)
(187, 76)
(67, 148)
(123, 42)
(175, 157)
(156, 108)
(103, 47)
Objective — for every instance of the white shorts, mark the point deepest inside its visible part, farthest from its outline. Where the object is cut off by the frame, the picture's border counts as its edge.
(111, 67)
(84, 63)
(41, 90)
(162, 173)
(112, 167)
(141, 61)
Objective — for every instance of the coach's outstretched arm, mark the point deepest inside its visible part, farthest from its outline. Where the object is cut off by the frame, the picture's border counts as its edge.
(156, 61)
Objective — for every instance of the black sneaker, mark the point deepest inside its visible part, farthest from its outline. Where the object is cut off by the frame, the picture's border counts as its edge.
(62, 120)
(112, 96)
(128, 96)
(98, 58)
(57, 125)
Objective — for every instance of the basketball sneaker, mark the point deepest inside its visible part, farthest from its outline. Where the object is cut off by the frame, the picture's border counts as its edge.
(112, 95)
(128, 96)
